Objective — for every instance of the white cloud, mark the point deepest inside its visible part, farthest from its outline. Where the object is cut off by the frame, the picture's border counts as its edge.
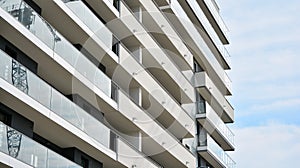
(279, 104)
(272, 145)
(265, 49)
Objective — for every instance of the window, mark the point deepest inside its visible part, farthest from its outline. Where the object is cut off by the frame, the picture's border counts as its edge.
(84, 162)
(6, 119)
(116, 4)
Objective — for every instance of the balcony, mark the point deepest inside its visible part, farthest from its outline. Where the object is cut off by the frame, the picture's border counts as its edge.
(212, 123)
(157, 59)
(17, 75)
(157, 141)
(158, 26)
(140, 73)
(212, 12)
(82, 12)
(213, 153)
(61, 48)
(203, 20)
(62, 105)
(200, 48)
(19, 146)
(212, 95)
(85, 15)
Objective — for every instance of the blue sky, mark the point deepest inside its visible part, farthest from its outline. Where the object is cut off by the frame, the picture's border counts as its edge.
(265, 50)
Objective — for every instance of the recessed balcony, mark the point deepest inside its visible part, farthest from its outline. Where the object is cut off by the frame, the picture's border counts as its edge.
(212, 95)
(213, 153)
(212, 123)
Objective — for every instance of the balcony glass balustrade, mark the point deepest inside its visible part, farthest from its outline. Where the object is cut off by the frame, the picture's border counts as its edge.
(213, 8)
(52, 99)
(47, 34)
(25, 149)
(91, 21)
(204, 108)
(202, 44)
(217, 151)
(56, 102)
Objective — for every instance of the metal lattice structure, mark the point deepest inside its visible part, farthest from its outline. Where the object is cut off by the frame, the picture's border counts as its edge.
(13, 142)
(19, 76)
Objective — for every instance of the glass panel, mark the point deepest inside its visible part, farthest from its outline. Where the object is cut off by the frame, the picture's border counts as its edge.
(218, 151)
(33, 153)
(66, 50)
(45, 32)
(58, 103)
(35, 88)
(79, 118)
(56, 161)
(38, 89)
(221, 126)
(201, 106)
(200, 42)
(19, 146)
(91, 21)
(30, 19)
(85, 67)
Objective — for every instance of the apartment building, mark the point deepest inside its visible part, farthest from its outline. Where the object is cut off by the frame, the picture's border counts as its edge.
(114, 83)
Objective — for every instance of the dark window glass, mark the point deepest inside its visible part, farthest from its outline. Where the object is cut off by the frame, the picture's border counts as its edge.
(84, 162)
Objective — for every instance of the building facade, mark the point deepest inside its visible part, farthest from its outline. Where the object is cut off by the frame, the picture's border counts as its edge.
(114, 83)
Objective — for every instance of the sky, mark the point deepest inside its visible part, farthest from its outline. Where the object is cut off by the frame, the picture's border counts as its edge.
(265, 55)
